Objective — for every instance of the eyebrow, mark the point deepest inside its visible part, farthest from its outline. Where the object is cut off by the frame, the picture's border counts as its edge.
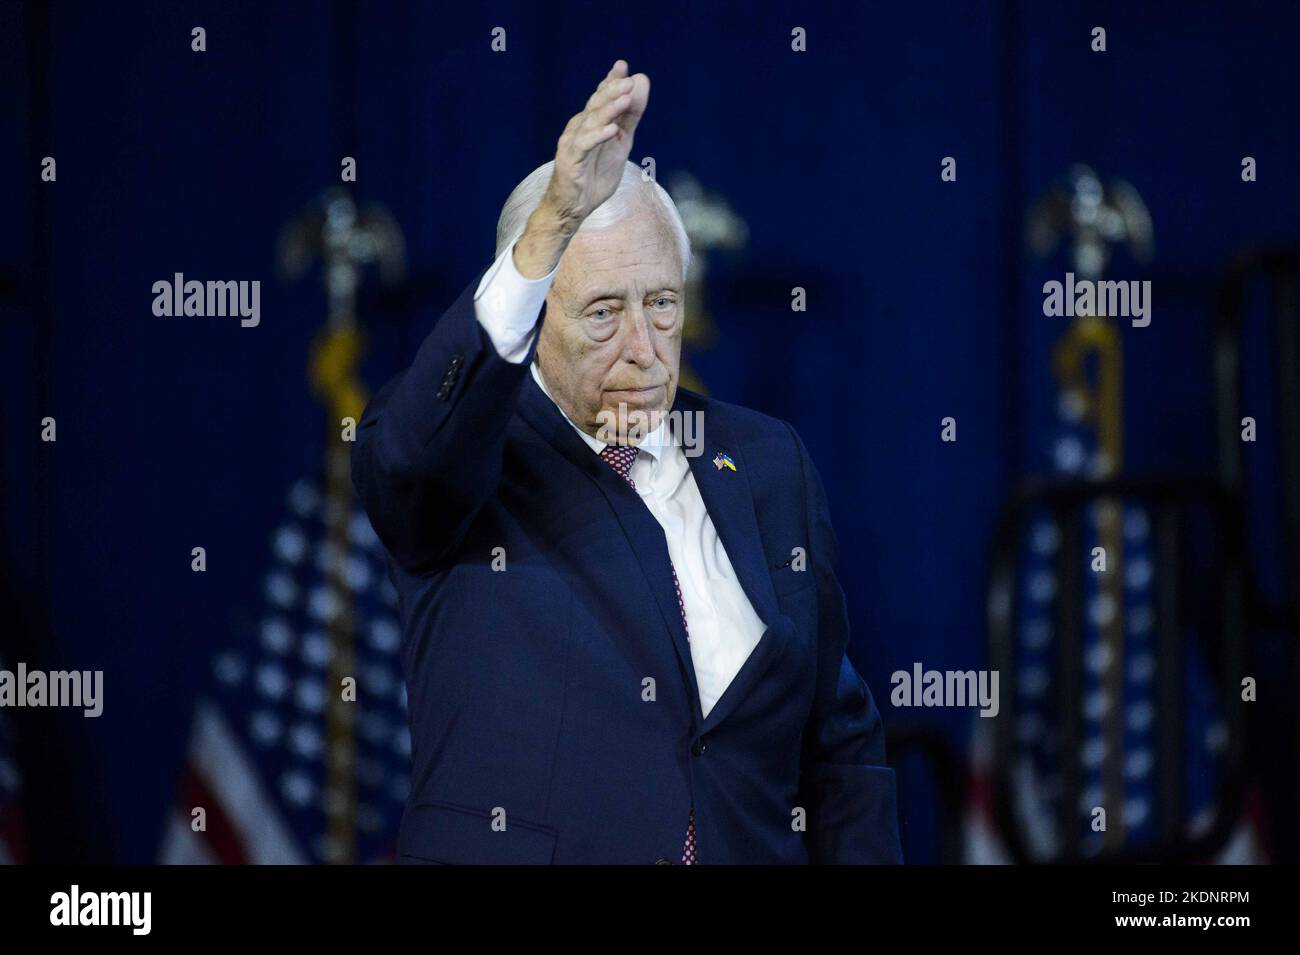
(598, 295)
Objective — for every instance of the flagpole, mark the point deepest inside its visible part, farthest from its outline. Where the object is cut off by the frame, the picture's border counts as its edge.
(345, 240)
(1096, 216)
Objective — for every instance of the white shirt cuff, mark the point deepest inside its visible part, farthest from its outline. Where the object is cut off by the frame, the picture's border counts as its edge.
(507, 304)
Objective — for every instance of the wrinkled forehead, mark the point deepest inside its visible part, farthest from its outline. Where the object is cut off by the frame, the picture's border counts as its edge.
(636, 254)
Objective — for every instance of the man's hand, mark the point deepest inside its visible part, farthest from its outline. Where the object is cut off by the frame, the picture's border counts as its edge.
(589, 162)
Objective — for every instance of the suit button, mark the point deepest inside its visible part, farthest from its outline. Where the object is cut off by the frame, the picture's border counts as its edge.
(698, 747)
(662, 862)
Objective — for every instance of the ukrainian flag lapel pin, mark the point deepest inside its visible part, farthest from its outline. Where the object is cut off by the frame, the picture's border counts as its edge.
(723, 460)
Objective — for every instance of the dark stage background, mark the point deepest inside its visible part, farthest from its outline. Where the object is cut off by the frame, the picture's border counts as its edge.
(923, 301)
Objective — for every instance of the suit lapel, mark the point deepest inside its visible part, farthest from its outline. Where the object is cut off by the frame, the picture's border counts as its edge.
(643, 532)
(729, 499)
(774, 642)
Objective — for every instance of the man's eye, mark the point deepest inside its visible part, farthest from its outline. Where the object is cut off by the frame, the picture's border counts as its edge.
(601, 313)
(663, 302)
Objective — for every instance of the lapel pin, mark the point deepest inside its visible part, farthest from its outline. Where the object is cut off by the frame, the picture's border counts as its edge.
(723, 460)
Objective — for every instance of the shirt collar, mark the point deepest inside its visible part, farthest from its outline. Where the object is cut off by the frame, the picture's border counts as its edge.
(652, 444)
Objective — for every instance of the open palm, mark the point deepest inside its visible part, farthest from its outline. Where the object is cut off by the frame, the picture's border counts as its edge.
(596, 143)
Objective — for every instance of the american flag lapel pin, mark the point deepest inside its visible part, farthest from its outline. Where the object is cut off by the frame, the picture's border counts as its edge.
(723, 460)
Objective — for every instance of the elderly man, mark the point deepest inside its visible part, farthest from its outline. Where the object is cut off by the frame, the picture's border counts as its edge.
(620, 646)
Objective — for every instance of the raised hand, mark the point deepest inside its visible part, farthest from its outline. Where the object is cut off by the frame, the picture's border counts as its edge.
(589, 159)
(595, 144)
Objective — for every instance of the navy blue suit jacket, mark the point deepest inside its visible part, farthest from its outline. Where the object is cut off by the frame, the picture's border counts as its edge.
(527, 686)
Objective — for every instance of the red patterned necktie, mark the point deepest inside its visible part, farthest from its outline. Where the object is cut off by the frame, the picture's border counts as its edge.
(620, 458)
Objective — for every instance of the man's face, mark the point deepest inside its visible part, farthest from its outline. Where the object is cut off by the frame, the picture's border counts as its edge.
(611, 343)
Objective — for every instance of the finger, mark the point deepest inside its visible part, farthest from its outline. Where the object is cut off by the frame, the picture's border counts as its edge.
(603, 96)
(616, 72)
(596, 118)
(607, 91)
(638, 98)
(588, 140)
(640, 93)
(595, 128)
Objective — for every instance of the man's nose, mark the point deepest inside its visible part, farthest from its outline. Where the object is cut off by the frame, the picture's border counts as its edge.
(638, 347)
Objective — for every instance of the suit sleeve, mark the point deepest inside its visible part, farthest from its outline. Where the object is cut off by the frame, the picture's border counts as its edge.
(847, 789)
(429, 445)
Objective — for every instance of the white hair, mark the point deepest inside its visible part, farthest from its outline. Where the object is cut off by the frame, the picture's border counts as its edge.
(634, 186)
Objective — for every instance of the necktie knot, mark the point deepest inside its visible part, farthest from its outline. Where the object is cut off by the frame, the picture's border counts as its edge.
(620, 458)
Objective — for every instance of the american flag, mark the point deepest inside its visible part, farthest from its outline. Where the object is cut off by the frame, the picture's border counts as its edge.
(281, 778)
(1074, 452)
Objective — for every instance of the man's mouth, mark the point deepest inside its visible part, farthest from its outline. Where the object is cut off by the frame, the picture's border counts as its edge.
(635, 391)
(650, 396)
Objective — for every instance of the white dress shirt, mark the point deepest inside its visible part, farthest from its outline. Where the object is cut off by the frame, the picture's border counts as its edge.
(724, 629)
